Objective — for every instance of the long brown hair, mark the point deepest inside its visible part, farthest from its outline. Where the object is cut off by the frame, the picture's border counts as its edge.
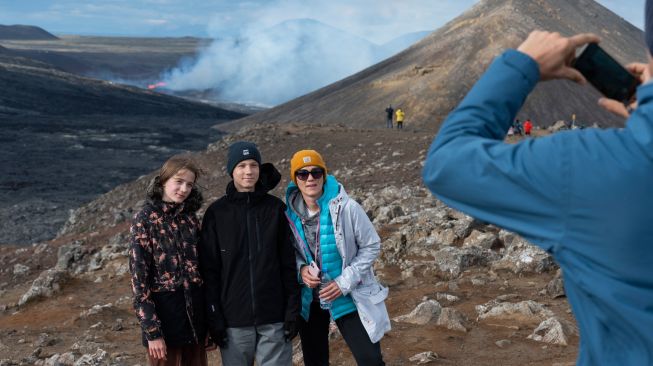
(167, 171)
(175, 164)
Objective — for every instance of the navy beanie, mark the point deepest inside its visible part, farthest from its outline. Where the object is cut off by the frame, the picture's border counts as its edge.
(648, 25)
(239, 151)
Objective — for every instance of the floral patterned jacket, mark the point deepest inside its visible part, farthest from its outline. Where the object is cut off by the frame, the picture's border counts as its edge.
(163, 257)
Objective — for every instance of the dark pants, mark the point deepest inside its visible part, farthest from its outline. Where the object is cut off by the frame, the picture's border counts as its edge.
(400, 124)
(315, 338)
(191, 355)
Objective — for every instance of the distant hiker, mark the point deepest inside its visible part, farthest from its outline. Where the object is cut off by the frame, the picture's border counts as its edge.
(583, 196)
(528, 126)
(336, 246)
(389, 114)
(517, 127)
(400, 118)
(573, 120)
(248, 261)
(163, 264)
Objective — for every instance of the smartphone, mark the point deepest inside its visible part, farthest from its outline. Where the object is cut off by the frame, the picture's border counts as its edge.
(313, 269)
(605, 73)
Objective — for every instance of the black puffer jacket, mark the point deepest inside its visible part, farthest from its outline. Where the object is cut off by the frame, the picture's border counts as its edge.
(247, 258)
(166, 282)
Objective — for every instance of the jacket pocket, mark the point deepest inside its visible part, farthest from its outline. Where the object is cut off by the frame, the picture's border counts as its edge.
(371, 308)
(374, 293)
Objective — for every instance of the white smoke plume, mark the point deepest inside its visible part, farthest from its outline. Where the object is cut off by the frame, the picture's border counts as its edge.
(272, 66)
(286, 48)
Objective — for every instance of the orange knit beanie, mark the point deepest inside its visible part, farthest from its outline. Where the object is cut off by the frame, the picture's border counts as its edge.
(303, 159)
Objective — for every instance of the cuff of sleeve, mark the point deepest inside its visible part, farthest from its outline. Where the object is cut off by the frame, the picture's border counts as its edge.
(299, 274)
(524, 64)
(153, 334)
(342, 285)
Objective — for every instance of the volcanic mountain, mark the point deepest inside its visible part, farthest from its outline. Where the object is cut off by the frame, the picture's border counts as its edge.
(24, 32)
(430, 78)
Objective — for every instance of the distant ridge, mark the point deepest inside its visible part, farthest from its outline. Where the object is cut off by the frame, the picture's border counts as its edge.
(25, 32)
(35, 88)
(431, 77)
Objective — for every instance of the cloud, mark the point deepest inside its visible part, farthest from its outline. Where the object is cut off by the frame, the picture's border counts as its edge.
(155, 21)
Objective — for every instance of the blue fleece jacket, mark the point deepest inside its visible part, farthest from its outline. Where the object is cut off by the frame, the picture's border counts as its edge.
(585, 196)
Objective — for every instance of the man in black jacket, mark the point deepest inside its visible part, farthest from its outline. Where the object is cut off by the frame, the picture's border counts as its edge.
(248, 265)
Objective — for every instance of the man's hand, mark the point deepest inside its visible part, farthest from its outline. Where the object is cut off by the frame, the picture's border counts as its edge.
(643, 73)
(157, 349)
(309, 280)
(330, 292)
(219, 337)
(290, 330)
(555, 53)
(209, 345)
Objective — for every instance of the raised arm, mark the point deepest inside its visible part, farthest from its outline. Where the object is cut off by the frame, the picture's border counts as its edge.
(522, 186)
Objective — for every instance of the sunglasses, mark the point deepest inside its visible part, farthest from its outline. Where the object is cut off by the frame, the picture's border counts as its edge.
(302, 174)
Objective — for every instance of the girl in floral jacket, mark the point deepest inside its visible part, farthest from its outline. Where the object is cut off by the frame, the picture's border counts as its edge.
(163, 262)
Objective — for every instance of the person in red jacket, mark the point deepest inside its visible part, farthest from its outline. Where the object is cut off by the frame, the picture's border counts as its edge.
(528, 126)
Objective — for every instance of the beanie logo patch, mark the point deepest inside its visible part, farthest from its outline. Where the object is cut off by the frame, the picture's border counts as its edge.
(246, 152)
(306, 159)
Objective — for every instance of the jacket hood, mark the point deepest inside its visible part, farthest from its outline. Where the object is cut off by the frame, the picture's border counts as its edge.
(154, 196)
(269, 177)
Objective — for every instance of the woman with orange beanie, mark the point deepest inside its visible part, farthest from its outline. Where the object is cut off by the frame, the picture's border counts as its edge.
(336, 246)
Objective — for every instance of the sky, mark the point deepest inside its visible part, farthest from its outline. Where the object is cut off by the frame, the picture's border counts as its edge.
(376, 20)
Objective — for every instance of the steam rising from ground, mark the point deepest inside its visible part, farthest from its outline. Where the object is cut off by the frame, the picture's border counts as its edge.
(275, 65)
(275, 50)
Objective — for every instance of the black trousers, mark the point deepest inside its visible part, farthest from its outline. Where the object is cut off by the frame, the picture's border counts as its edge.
(315, 338)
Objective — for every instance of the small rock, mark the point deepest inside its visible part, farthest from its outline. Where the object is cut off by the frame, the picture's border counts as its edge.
(48, 283)
(450, 298)
(422, 314)
(20, 270)
(424, 357)
(451, 318)
(100, 357)
(503, 343)
(555, 331)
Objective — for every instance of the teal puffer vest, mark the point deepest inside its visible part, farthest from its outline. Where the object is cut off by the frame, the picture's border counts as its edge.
(331, 259)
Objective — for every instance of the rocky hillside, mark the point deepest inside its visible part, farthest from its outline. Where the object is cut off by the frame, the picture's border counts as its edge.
(430, 78)
(461, 292)
(24, 32)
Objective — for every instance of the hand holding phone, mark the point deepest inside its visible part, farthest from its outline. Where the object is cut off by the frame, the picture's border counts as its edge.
(310, 275)
(313, 269)
(605, 73)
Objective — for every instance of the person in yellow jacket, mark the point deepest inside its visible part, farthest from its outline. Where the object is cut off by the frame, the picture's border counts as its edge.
(400, 118)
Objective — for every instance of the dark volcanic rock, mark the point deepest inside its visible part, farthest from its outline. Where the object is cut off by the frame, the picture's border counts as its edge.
(24, 32)
(46, 91)
(65, 139)
(431, 77)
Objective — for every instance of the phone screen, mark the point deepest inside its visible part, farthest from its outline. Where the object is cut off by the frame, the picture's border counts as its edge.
(606, 74)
